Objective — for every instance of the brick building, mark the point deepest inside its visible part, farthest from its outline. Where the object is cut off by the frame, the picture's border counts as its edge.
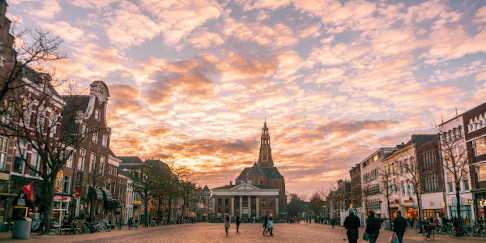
(259, 190)
(475, 136)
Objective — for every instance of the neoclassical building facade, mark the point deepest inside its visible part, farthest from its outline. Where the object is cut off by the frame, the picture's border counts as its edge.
(259, 190)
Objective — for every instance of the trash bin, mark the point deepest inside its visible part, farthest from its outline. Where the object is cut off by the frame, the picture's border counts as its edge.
(21, 229)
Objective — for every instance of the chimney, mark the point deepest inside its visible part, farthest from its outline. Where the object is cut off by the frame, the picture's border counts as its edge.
(231, 183)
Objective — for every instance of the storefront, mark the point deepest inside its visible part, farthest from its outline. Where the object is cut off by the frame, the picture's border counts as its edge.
(60, 208)
(433, 205)
(480, 205)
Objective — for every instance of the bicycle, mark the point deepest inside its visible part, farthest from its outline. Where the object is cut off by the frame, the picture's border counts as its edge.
(429, 232)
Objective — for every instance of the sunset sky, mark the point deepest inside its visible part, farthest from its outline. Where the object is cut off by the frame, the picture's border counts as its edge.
(193, 80)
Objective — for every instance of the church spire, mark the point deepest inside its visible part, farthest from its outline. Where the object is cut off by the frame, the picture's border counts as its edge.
(265, 158)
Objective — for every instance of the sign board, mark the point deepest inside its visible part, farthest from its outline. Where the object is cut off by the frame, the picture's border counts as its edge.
(442, 204)
(59, 181)
(470, 201)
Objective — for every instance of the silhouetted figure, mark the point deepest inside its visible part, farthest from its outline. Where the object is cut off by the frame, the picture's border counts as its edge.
(352, 223)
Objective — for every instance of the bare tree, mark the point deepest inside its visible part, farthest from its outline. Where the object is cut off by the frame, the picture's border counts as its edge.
(385, 177)
(455, 161)
(33, 120)
(316, 203)
(33, 49)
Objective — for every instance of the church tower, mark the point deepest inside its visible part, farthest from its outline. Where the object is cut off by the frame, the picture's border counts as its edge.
(265, 158)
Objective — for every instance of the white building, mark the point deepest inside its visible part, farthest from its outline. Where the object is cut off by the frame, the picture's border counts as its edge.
(451, 130)
(129, 198)
(371, 186)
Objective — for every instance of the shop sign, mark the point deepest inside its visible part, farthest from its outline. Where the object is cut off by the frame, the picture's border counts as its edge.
(482, 203)
(470, 201)
(60, 198)
(408, 201)
(59, 179)
(431, 203)
(442, 204)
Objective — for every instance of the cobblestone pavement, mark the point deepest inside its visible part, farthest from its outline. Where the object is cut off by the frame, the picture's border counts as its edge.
(205, 232)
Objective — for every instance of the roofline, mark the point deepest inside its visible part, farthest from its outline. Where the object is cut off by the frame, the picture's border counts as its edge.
(462, 114)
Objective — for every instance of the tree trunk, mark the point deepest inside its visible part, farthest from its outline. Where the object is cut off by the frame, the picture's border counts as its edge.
(46, 203)
(458, 204)
(145, 217)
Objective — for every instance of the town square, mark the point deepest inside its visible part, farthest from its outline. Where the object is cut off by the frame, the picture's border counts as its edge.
(243, 121)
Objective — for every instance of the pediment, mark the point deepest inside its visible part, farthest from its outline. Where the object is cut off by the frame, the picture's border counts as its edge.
(245, 187)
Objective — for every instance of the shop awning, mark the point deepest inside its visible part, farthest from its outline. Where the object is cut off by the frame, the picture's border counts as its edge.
(95, 193)
(106, 195)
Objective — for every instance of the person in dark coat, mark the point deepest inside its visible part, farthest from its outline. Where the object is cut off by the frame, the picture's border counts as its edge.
(352, 223)
(265, 222)
(373, 226)
(237, 221)
(399, 226)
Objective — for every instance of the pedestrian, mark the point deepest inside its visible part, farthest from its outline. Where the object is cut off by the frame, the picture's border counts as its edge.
(399, 226)
(226, 224)
(237, 221)
(352, 223)
(373, 227)
(332, 221)
(265, 223)
(130, 222)
(135, 224)
(270, 225)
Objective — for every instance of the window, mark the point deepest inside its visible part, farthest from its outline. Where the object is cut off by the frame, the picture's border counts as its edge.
(94, 137)
(465, 182)
(450, 183)
(3, 152)
(69, 161)
(116, 172)
(20, 156)
(2, 59)
(110, 170)
(84, 129)
(114, 186)
(67, 184)
(226, 201)
(104, 142)
(479, 146)
(102, 167)
(403, 188)
(81, 158)
(408, 189)
(92, 164)
(97, 114)
(401, 168)
(34, 163)
(7, 116)
(219, 201)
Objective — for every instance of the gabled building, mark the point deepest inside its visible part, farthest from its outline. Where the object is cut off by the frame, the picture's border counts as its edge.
(95, 166)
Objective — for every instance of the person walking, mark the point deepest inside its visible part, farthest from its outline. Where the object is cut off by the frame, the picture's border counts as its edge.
(373, 227)
(130, 222)
(265, 223)
(332, 221)
(237, 221)
(352, 223)
(270, 225)
(399, 226)
(226, 224)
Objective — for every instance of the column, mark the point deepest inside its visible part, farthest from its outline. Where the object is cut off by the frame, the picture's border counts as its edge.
(276, 208)
(232, 206)
(257, 208)
(249, 206)
(241, 206)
